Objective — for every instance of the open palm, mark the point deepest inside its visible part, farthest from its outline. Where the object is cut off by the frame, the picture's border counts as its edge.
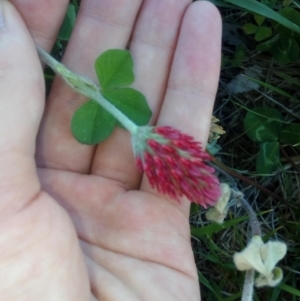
(84, 224)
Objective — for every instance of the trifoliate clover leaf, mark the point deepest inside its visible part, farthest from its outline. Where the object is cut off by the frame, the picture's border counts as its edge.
(91, 124)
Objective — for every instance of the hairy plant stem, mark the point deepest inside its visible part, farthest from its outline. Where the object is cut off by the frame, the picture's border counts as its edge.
(247, 294)
(248, 286)
(87, 88)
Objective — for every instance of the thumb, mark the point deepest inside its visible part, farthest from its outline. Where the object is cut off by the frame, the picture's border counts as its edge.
(21, 106)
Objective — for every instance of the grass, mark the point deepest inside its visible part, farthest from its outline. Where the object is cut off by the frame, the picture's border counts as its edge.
(278, 87)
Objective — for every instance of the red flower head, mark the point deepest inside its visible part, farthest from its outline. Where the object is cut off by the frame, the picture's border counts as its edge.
(175, 164)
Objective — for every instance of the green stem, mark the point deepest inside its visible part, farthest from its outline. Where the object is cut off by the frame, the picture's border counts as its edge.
(87, 88)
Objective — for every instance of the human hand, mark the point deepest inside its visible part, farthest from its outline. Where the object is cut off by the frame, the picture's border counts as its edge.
(87, 227)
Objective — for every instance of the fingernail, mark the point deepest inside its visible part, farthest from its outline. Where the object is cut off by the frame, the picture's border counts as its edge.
(2, 20)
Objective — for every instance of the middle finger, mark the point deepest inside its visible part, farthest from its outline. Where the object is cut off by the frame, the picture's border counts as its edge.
(152, 46)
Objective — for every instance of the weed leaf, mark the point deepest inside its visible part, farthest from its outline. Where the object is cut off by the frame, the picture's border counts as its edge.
(250, 28)
(290, 134)
(114, 69)
(263, 124)
(268, 157)
(91, 124)
(286, 50)
(263, 32)
(259, 19)
(131, 102)
(290, 14)
(68, 24)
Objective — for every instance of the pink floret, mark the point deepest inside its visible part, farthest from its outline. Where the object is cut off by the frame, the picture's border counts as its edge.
(176, 166)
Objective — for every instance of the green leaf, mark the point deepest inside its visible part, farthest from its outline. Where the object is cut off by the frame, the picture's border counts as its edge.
(290, 14)
(114, 69)
(268, 157)
(273, 88)
(131, 102)
(261, 9)
(267, 45)
(290, 134)
(286, 50)
(236, 296)
(287, 3)
(91, 124)
(289, 79)
(263, 124)
(269, 3)
(207, 283)
(262, 33)
(289, 289)
(259, 19)
(239, 56)
(68, 24)
(194, 209)
(250, 28)
(215, 228)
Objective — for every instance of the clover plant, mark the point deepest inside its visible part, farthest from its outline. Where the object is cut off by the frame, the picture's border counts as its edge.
(264, 126)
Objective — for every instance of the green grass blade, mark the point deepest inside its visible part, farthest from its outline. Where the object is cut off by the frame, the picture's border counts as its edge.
(236, 296)
(272, 88)
(289, 79)
(275, 294)
(249, 110)
(261, 9)
(289, 289)
(214, 228)
(206, 283)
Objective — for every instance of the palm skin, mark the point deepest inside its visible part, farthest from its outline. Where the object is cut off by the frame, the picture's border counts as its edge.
(84, 225)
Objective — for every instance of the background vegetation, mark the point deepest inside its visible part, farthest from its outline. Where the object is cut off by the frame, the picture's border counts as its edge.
(258, 105)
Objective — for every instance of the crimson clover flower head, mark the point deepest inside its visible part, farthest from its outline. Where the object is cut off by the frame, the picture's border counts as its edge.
(174, 164)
